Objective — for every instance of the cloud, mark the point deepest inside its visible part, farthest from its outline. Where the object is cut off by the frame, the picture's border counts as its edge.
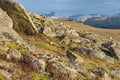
(72, 6)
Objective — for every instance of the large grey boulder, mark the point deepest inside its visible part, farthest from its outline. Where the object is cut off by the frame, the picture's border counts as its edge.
(6, 25)
(21, 19)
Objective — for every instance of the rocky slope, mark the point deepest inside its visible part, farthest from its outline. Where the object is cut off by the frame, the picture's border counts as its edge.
(57, 52)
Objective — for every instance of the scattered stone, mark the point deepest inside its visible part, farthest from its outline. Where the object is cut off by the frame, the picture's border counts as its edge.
(109, 59)
(40, 29)
(66, 40)
(72, 32)
(101, 72)
(71, 56)
(48, 32)
(106, 77)
(113, 53)
(53, 43)
(107, 45)
(37, 64)
(5, 74)
(14, 54)
(116, 72)
(59, 32)
(79, 59)
(61, 37)
(99, 54)
(76, 40)
(84, 51)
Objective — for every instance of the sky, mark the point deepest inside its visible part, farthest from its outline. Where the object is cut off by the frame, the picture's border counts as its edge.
(72, 7)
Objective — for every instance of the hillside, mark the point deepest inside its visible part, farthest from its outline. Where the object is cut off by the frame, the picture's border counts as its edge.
(36, 47)
(115, 33)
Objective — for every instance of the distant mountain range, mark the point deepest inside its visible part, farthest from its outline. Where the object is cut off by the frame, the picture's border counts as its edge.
(54, 15)
(96, 20)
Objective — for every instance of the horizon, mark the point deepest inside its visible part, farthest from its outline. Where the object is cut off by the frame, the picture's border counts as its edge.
(70, 7)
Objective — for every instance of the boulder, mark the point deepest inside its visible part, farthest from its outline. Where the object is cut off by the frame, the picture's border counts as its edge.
(37, 64)
(116, 72)
(106, 77)
(74, 57)
(109, 59)
(59, 32)
(106, 45)
(113, 53)
(110, 50)
(65, 39)
(99, 54)
(85, 50)
(117, 51)
(14, 54)
(6, 25)
(21, 19)
(48, 32)
(40, 29)
(72, 32)
(75, 40)
(71, 56)
(5, 18)
(101, 74)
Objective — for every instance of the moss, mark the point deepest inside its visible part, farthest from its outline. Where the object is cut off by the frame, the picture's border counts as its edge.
(35, 76)
(12, 45)
(15, 46)
(44, 77)
(80, 77)
(2, 77)
(43, 42)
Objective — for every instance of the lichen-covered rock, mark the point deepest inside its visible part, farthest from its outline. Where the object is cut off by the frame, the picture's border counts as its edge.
(37, 64)
(99, 54)
(5, 18)
(6, 25)
(48, 32)
(14, 54)
(21, 19)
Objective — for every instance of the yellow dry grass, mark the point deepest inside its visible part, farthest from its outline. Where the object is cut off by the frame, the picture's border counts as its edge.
(115, 33)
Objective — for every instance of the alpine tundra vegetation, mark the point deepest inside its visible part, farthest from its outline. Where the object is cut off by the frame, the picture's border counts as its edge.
(36, 47)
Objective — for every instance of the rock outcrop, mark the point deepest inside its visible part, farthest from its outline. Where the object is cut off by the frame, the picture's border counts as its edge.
(6, 26)
(21, 19)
